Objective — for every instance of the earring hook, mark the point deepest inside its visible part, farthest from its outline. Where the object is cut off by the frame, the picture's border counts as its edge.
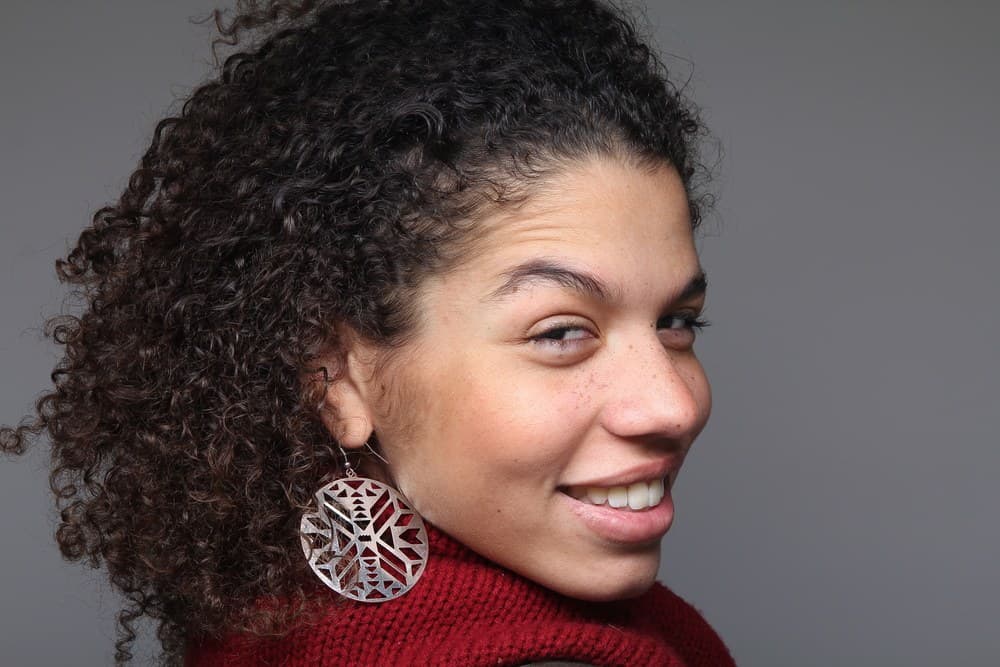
(348, 468)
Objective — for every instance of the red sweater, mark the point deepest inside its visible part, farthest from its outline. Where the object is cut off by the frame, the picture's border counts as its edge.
(468, 611)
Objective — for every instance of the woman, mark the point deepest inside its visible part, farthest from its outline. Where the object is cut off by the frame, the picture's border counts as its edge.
(402, 303)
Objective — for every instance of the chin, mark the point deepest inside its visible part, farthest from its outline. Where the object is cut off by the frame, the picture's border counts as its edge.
(615, 582)
(621, 591)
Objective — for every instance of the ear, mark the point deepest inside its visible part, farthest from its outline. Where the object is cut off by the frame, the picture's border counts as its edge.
(347, 409)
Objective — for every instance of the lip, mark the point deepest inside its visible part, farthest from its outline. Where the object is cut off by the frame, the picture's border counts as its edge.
(662, 469)
(624, 526)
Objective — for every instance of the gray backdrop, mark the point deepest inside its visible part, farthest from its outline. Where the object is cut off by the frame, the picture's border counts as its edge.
(840, 508)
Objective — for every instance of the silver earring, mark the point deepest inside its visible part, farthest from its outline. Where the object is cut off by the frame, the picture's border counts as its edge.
(364, 541)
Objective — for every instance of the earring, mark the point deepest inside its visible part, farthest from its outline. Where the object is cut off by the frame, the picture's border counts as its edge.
(364, 541)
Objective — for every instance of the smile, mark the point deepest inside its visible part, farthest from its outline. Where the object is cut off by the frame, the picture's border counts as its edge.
(636, 496)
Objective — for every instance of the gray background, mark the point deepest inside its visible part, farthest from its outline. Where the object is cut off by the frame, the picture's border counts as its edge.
(841, 507)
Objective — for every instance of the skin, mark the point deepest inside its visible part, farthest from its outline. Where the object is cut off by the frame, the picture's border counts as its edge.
(521, 384)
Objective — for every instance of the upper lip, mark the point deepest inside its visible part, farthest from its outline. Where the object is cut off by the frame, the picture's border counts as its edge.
(643, 472)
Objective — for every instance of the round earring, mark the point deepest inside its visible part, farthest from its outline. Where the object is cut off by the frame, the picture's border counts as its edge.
(364, 540)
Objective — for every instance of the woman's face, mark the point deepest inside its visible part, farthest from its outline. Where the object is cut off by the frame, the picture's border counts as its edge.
(551, 393)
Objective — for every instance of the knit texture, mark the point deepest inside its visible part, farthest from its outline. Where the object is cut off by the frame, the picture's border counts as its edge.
(470, 612)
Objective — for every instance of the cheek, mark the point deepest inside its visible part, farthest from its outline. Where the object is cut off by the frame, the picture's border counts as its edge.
(482, 435)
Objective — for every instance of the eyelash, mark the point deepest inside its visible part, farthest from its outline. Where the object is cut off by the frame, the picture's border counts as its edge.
(548, 337)
(692, 322)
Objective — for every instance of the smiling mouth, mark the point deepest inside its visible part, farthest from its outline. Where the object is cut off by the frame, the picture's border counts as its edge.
(635, 496)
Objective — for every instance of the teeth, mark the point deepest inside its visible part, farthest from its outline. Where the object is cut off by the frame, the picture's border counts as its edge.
(655, 493)
(637, 496)
(618, 496)
(597, 495)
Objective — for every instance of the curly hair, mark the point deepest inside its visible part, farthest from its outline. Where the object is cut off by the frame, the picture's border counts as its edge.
(343, 155)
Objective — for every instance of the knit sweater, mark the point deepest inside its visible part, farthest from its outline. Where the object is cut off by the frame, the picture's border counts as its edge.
(468, 611)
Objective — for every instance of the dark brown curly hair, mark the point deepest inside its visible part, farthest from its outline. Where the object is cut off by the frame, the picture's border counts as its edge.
(341, 156)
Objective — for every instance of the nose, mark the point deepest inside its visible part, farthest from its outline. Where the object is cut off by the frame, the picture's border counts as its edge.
(656, 392)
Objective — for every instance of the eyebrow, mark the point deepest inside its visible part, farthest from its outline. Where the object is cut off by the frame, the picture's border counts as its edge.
(696, 287)
(547, 271)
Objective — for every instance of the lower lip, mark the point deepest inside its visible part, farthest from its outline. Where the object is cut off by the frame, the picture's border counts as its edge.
(624, 525)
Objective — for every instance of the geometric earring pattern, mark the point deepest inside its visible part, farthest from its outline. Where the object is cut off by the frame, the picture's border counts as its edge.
(364, 541)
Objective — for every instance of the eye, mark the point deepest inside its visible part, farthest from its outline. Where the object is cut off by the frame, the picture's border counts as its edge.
(562, 334)
(679, 330)
(682, 321)
(563, 343)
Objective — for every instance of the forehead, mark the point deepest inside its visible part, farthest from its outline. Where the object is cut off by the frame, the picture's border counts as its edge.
(607, 216)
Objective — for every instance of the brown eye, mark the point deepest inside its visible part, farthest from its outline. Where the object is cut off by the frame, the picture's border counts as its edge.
(692, 322)
(562, 334)
(679, 330)
(564, 343)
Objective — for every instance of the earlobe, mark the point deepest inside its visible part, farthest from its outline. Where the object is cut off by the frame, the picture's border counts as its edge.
(347, 411)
